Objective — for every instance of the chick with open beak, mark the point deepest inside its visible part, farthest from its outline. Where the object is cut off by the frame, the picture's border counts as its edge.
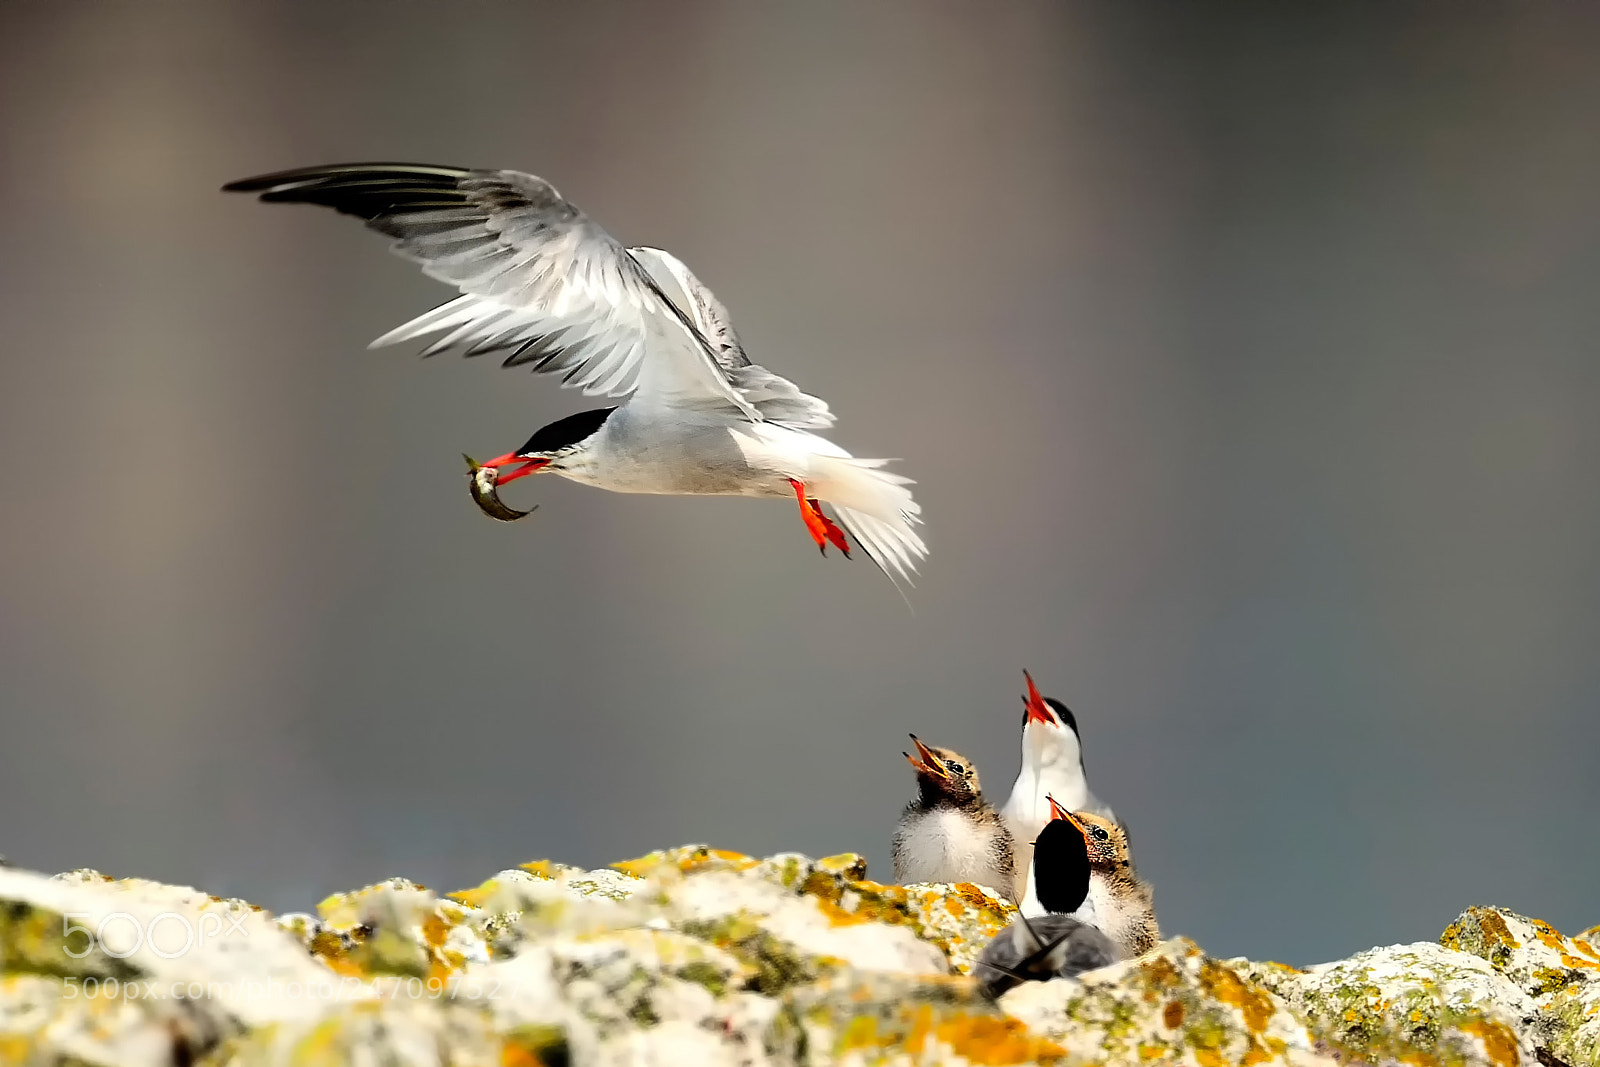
(1121, 903)
(949, 833)
(1115, 899)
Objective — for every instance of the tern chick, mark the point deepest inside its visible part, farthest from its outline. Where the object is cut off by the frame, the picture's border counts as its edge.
(949, 833)
(1118, 902)
(1052, 765)
(1057, 943)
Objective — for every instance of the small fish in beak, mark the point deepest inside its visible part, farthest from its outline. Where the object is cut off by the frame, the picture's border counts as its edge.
(485, 493)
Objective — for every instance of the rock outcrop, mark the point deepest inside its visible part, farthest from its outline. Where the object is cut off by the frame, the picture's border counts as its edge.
(696, 956)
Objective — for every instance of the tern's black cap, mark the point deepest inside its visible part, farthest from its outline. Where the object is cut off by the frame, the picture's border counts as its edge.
(1064, 712)
(563, 433)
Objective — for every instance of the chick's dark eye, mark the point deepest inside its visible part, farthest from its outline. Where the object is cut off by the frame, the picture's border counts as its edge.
(956, 768)
(1100, 834)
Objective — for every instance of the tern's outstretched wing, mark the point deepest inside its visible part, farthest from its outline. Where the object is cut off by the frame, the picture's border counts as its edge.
(539, 280)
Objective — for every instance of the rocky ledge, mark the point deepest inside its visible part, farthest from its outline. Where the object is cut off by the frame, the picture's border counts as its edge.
(697, 956)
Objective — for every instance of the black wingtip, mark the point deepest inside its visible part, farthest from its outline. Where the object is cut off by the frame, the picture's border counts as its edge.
(265, 183)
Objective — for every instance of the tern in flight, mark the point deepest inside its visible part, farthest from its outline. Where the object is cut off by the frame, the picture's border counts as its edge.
(543, 286)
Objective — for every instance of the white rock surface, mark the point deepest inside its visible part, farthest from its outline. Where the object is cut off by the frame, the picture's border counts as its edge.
(1418, 999)
(692, 955)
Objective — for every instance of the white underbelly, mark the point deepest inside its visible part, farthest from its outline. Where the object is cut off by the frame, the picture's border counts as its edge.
(944, 846)
(677, 460)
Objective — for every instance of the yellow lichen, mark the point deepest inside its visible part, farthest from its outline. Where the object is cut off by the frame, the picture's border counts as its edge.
(642, 867)
(859, 1032)
(1256, 1053)
(440, 964)
(338, 909)
(435, 930)
(514, 1055)
(1284, 968)
(838, 916)
(1223, 984)
(847, 865)
(718, 858)
(980, 1039)
(333, 951)
(1158, 976)
(686, 860)
(1550, 937)
(321, 1044)
(476, 896)
(534, 1046)
(1499, 1043)
(882, 888)
(1495, 928)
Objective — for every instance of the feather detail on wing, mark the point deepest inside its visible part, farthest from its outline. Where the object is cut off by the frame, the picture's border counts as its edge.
(540, 281)
(777, 398)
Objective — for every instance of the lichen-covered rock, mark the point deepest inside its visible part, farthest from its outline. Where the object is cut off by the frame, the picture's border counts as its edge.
(1421, 1002)
(695, 955)
(101, 971)
(1173, 1005)
(1530, 952)
(960, 918)
(870, 1019)
(393, 1032)
(50, 1020)
(1571, 1018)
(1560, 974)
(154, 941)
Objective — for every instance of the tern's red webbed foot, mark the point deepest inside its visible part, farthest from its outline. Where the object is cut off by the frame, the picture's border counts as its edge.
(823, 530)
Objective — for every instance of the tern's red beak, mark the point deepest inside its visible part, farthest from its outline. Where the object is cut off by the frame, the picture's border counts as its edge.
(928, 763)
(529, 466)
(1038, 710)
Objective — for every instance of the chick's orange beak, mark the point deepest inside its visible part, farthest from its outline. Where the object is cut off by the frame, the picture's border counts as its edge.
(1059, 812)
(1038, 710)
(928, 763)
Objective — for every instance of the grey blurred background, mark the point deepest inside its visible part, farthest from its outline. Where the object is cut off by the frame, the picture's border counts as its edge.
(1245, 356)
